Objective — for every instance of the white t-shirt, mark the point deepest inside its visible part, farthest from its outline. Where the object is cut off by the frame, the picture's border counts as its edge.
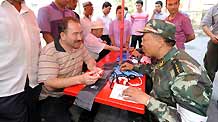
(14, 50)
(34, 34)
(106, 20)
(94, 45)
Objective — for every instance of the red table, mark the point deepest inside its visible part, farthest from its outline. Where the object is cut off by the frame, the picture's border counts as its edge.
(103, 95)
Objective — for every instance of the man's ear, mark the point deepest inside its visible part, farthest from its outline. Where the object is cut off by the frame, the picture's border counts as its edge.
(62, 35)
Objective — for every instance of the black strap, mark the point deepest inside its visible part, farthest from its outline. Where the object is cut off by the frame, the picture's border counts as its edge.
(86, 96)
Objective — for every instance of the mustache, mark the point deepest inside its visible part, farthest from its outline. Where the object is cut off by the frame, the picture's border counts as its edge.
(78, 41)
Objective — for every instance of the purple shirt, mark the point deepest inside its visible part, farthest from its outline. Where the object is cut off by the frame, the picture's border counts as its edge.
(114, 30)
(49, 18)
(183, 29)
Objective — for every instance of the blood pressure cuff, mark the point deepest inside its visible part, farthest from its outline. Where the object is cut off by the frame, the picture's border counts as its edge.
(86, 96)
(126, 73)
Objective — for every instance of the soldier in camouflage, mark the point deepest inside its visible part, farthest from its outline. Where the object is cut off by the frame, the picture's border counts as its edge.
(181, 88)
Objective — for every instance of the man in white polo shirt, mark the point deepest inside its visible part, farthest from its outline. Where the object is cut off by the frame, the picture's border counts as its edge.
(19, 35)
(86, 21)
(60, 66)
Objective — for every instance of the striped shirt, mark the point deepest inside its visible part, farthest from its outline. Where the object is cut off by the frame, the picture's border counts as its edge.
(55, 62)
(211, 19)
(138, 22)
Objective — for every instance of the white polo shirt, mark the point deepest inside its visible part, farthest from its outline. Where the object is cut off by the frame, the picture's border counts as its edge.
(106, 20)
(33, 31)
(94, 45)
(14, 50)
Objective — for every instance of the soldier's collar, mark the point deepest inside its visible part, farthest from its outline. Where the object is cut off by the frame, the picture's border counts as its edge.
(167, 57)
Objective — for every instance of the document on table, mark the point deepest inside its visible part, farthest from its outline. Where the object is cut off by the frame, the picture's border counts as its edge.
(118, 91)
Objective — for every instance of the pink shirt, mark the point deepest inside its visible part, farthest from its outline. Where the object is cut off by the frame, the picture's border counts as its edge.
(183, 29)
(114, 30)
(138, 22)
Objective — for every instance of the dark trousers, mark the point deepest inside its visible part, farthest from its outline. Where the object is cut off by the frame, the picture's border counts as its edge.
(32, 101)
(134, 40)
(106, 38)
(89, 116)
(56, 109)
(13, 108)
(104, 52)
(211, 59)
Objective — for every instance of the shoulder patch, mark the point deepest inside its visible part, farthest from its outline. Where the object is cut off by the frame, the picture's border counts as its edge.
(177, 67)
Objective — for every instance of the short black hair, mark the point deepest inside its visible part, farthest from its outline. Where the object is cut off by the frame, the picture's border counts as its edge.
(160, 3)
(126, 8)
(63, 26)
(106, 4)
(139, 2)
(178, 1)
(118, 7)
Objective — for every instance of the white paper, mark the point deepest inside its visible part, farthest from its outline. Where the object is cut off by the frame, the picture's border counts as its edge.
(118, 91)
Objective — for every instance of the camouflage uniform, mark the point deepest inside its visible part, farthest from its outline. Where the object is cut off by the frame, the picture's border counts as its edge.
(177, 80)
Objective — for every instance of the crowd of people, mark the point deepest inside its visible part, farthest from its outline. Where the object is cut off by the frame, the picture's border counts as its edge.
(32, 78)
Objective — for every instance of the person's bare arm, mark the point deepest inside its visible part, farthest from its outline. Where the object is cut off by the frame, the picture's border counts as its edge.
(112, 40)
(91, 64)
(190, 37)
(111, 48)
(154, 11)
(57, 83)
(127, 41)
(213, 37)
(47, 37)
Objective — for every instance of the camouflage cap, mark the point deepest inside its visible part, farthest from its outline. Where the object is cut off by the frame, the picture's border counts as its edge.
(161, 27)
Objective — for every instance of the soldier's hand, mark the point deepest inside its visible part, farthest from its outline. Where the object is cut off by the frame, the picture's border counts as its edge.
(134, 52)
(136, 94)
(126, 66)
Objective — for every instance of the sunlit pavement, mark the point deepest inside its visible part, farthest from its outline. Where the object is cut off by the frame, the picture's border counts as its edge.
(197, 49)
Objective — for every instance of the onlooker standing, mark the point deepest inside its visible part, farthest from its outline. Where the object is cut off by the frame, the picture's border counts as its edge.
(184, 30)
(138, 19)
(127, 14)
(106, 8)
(211, 57)
(32, 88)
(158, 13)
(19, 52)
(49, 18)
(60, 66)
(86, 21)
(72, 6)
(114, 30)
